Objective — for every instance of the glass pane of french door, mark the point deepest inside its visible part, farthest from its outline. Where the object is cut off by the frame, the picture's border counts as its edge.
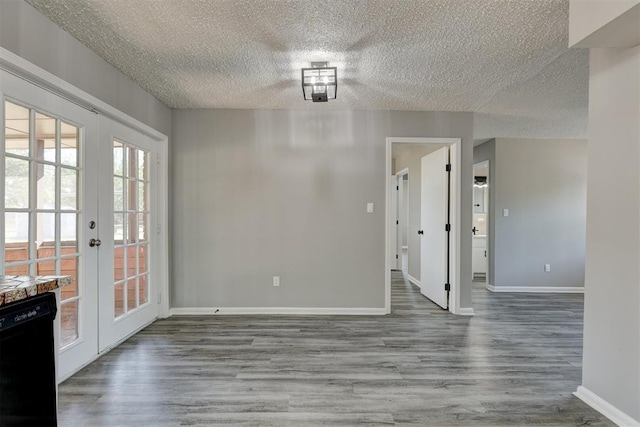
(127, 200)
(47, 146)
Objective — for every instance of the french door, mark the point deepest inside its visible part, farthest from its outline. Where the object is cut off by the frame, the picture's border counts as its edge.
(78, 195)
(127, 214)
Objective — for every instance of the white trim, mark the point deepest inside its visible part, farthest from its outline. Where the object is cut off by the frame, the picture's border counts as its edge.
(413, 280)
(207, 311)
(455, 145)
(466, 311)
(402, 172)
(538, 289)
(605, 408)
(486, 164)
(19, 66)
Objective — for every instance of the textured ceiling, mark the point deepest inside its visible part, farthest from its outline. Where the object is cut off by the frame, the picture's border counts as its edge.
(506, 59)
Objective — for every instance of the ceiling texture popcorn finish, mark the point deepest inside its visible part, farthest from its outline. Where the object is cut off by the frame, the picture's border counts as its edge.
(501, 58)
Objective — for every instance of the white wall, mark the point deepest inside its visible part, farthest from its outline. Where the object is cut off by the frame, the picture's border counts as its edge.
(543, 183)
(410, 156)
(258, 193)
(611, 367)
(31, 35)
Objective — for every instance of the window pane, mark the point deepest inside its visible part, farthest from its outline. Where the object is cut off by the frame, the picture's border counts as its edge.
(131, 261)
(46, 186)
(132, 302)
(68, 323)
(143, 251)
(132, 195)
(142, 196)
(20, 270)
(68, 144)
(16, 129)
(143, 165)
(118, 264)
(118, 228)
(68, 189)
(143, 289)
(45, 235)
(69, 267)
(68, 233)
(132, 228)
(132, 163)
(16, 229)
(16, 182)
(47, 268)
(118, 194)
(45, 138)
(118, 300)
(143, 224)
(118, 158)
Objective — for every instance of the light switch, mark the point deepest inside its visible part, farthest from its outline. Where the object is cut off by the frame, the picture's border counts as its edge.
(369, 207)
(505, 212)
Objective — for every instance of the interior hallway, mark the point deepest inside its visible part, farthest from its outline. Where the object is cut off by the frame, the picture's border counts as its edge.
(516, 362)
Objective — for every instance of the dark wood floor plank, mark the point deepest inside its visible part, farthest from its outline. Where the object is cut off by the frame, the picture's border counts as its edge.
(515, 363)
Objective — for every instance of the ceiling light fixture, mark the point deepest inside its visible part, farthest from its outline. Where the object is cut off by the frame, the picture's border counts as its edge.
(320, 82)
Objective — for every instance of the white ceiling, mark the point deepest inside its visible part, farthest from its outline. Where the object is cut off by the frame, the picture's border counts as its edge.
(506, 59)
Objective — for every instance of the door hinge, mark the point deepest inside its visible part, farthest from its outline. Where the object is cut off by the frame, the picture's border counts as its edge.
(396, 256)
(158, 229)
(447, 227)
(397, 222)
(159, 297)
(158, 158)
(447, 286)
(397, 188)
(448, 167)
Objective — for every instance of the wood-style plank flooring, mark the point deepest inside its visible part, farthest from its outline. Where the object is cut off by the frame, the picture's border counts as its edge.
(515, 363)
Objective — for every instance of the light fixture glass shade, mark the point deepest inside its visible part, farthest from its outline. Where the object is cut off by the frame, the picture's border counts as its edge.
(319, 83)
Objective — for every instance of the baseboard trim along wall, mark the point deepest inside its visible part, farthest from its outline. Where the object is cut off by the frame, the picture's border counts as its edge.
(413, 280)
(466, 311)
(538, 289)
(605, 408)
(218, 311)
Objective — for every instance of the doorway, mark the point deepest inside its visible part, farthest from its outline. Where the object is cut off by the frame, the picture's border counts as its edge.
(66, 207)
(450, 271)
(402, 222)
(480, 228)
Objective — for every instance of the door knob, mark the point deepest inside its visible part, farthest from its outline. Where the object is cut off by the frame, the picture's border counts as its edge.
(474, 230)
(420, 232)
(94, 242)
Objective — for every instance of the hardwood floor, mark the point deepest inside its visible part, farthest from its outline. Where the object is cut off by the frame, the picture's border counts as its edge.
(515, 363)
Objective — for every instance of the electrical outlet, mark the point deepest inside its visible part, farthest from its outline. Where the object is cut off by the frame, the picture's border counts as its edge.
(276, 280)
(547, 268)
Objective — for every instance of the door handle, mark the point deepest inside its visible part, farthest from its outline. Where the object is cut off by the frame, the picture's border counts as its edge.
(94, 242)
(420, 232)
(474, 230)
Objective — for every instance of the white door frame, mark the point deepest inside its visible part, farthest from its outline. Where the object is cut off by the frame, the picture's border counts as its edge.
(455, 146)
(30, 72)
(401, 222)
(487, 164)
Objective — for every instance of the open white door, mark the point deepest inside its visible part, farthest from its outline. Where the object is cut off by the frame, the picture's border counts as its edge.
(434, 203)
(394, 223)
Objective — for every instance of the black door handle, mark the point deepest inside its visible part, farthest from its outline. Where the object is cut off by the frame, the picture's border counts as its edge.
(474, 230)
(420, 232)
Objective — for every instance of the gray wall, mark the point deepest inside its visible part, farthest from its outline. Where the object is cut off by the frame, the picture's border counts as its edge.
(410, 156)
(31, 35)
(611, 367)
(258, 193)
(483, 152)
(543, 183)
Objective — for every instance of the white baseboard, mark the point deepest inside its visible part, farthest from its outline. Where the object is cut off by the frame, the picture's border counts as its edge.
(466, 311)
(208, 311)
(413, 280)
(605, 408)
(538, 289)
